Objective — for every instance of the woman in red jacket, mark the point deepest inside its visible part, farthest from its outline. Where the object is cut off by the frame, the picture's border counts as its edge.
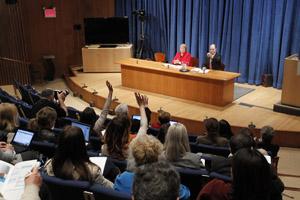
(182, 57)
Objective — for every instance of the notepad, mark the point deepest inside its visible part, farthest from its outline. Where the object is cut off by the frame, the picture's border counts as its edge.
(12, 178)
(99, 161)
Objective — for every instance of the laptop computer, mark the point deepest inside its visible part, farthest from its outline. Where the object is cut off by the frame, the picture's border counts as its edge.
(22, 140)
(86, 129)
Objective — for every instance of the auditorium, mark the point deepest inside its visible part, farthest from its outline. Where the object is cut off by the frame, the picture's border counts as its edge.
(150, 99)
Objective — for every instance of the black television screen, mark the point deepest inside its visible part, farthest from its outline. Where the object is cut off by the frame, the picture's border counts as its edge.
(113, 30)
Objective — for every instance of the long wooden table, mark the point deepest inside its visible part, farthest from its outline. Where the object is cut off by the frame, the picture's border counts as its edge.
(215, 87)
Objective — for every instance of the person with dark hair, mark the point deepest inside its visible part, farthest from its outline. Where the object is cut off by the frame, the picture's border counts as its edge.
(163, 118)
(156, 181)
(267, 134)
(116, 138)
(43, 125)
(162, 132)
(212, 136)
(251, 180)
(221, 164)
(48, 99)
(225, 129)
(71, 161)
(88, 116)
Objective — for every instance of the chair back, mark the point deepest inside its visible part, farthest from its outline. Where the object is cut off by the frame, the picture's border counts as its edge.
(194, 62)
(101, 193)
(65, 189)
(45, 148)
(159, 57)
(194, 179)
(220, 176)
(274, 163)
(210, 149)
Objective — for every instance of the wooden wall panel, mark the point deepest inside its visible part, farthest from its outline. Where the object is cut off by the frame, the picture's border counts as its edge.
(13, 48)
(51, 36)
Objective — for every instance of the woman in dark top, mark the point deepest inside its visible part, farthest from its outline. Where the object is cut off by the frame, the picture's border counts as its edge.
(116, 138)
(252, 180)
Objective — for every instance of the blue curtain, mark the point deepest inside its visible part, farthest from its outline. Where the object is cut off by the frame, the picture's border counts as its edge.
(252, 36)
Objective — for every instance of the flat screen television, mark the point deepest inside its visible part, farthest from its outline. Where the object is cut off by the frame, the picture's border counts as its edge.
(112, 30)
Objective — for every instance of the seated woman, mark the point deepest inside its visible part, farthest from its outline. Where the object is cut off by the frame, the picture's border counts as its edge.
(116, 138)
(8, 121)
(177, 148)
(247, 183)
(71, 161)
(212, 136)
(43, 125)
(144, 149)
(8, 124)
(182, 57)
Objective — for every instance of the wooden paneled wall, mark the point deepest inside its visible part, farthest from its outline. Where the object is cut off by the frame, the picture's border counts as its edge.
(13, 48)
(36, 36)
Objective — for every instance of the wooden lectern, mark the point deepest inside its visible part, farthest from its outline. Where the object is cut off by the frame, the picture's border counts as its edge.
(291, 81)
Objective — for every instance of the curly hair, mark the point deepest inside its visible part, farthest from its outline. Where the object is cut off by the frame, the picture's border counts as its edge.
(144, 149)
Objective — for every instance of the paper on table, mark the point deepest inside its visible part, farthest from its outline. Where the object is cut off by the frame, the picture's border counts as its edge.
(13, 187)
(99, 161)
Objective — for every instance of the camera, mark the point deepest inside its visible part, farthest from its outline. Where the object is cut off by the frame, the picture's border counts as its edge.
(140, 13)
(56, 92)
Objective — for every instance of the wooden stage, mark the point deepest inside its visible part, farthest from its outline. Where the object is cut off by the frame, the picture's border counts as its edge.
(254, 107)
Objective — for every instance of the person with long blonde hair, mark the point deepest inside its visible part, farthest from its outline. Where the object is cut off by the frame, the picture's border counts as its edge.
(177, 148)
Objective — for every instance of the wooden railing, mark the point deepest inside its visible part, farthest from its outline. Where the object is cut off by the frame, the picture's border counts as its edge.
(11, 69)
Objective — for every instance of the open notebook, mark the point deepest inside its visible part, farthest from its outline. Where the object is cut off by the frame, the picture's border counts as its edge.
(12, 178)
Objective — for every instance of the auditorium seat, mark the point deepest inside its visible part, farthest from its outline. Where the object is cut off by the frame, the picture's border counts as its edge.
(209, 149)
(194, 179)
(65, 189)
(99, 192)
(46, 148)
(159, 57)
(213, 175)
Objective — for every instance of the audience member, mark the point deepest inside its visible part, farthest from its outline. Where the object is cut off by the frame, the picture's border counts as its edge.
(252, 179)
(144, 149)
(163, 130)
(71, 161)
(8, 124)
(43, 124)
(177, 148)
(156, 181)
(48, 99)
(212, 136)
(99, 124)
(8, 121)
(116, 138)
(225, 129)
(32, 186)
(163, 118)
(223, 165)
(267, 134)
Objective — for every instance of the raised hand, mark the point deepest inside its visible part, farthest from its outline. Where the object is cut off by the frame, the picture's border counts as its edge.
(109, 86)
(142, 100)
